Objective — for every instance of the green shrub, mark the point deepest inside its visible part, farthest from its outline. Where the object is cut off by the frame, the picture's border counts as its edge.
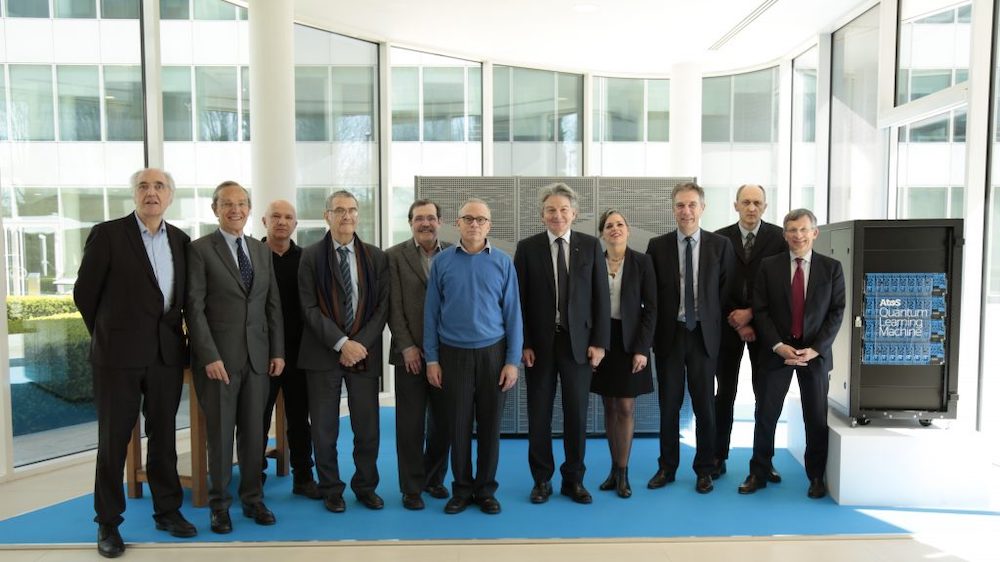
(56, 351)
(20, 309)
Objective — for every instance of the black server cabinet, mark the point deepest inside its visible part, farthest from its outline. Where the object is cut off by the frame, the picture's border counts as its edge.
(896, 355)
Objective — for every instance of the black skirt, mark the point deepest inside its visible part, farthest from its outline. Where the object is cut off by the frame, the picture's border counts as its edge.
(614, 376)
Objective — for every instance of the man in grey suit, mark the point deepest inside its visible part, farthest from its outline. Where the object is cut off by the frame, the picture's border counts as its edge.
(234, 321)
(344, 290)
(421, 466)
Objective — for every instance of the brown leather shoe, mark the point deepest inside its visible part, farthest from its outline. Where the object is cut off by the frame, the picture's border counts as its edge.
(660, 479)
(752, 484)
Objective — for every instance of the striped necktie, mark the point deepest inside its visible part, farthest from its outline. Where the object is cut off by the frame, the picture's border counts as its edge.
(345, 276)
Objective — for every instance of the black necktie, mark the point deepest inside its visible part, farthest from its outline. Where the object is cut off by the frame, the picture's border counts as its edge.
(748, 246)
(562, 281)
(345, 276)
(690, 320)
(246, 271)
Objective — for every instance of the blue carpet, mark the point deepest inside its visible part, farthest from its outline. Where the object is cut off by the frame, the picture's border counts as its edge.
(674, 511)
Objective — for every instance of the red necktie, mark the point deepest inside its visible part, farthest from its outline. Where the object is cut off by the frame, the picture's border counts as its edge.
(798, 299)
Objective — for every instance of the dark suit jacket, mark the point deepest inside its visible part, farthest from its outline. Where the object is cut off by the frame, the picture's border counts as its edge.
(772, 308)
(407, 288)
(770, 240)
(321, 333)
(638, 302)
(120, 300)
(225, 321)
(589, 301)
(715, 263)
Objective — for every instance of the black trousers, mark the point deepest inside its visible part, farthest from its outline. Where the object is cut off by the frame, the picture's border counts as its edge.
(234, 408)
(422, 456)
(727, 376)
(557, 366)
(118, 395)
(686, 361)
(813, 388)
(470, 379)
(324, 407)
(295, 389)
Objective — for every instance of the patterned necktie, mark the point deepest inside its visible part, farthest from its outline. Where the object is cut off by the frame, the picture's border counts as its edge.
(562, 280)
(748, 246)
(798, 299)
(690, 320)
(246, 271)
(345, 276)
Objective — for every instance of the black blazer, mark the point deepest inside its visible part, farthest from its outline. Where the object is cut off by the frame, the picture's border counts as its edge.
(120, 300)
(770, 240)
(589, 300)
(321, 333)
(715, 259)
(638, 302)
(772, 308)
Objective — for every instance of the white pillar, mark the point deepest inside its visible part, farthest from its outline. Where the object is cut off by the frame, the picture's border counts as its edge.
(272, 104)
(685, 120)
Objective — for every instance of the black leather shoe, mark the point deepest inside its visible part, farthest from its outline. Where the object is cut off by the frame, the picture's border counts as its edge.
(308, 489)
(260, 514)
(540, 492)
(371, 500)
(773, 476)
(109, 541)
(488, 505)
(175, 524)
(335, 503)
(704, 484)
(621, 483)
(576, 492)
(437, 491)
(456, 505)
(752, 484)
(817, 488)
(660, 479)
(610, 483)
(221, 523)
(719, 470)
(413, 502)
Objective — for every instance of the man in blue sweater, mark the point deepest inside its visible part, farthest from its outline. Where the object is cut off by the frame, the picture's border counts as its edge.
(472, 343)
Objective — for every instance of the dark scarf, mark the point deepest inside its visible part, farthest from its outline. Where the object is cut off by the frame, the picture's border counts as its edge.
(326, 285)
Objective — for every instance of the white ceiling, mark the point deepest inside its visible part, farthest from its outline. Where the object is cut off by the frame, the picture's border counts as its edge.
(617, 37)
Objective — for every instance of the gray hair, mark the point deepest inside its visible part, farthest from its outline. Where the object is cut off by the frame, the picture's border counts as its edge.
(339, 193)
(558, 188)
(224, 185)
(687, 186)
(133, 180)
(796, 214)
(746, 185)
(472, 200)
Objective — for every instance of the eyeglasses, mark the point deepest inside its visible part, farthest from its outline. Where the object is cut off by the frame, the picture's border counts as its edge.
(799, 231)
(469, 219)
(340, 211)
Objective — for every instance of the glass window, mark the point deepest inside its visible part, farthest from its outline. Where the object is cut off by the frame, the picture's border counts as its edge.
(86, 204)
(27, 8)
(532, 104)
(215, 102)
(177, 110)
(501, 103)
(933, 129)
(75, 8)
(934, 40)
(716, 109)
(658, 112)
(570, 107)
(444, 104)
(755, 104)
(311, 103)
(175, 9)
(930, 172)
(926, 82)
(79, 103)
(353, 103)
(245, 102)
(36, 201)
(123, 103)
(31, 114)
(3, 103)
(120, 9)
(475, 100)
(803, 192)
(624, 111)
(214, 10)
(405, 103)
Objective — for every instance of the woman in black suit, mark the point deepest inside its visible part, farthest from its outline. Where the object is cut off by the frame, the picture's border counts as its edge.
(625, 372)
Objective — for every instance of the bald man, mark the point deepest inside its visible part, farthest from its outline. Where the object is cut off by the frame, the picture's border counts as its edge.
(280, 221)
